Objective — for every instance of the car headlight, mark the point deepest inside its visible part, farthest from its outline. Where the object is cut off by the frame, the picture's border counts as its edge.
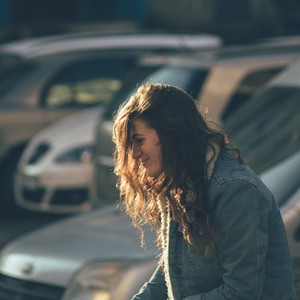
(118, 280)
(79, 154)
(96, 281)
(38, 153)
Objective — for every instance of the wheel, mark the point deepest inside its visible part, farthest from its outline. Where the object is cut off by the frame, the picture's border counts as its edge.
(7, 171)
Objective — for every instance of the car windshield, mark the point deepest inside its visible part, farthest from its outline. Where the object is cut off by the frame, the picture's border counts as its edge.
(189, 79)
(267, 131)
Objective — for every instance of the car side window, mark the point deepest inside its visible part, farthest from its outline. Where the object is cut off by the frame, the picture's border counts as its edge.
(189, 79)
(247, 87)
(268, 123)
(86, 83)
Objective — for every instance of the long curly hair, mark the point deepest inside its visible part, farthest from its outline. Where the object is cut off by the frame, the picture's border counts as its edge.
(185, 139)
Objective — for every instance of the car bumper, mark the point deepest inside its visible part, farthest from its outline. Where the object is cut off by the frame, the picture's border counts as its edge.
(54, 190)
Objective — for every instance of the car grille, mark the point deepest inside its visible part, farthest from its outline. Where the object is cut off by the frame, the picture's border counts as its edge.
(70, 197)
(16, 289)
(74, 196)
(35, 196)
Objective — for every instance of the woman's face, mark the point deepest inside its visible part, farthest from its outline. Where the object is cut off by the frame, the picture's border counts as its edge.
(146, 147)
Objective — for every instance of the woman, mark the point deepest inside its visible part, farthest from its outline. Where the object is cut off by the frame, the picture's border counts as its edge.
(219, 230)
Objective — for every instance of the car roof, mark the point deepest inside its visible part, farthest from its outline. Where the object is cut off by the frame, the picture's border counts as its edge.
(92, 41)
(234, 56)
(292, 40)
(261, 46)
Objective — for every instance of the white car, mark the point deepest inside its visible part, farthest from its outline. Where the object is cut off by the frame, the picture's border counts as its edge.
(56, 168)
(97, 255)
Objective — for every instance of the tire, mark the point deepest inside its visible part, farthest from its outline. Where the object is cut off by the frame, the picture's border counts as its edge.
(7, 172)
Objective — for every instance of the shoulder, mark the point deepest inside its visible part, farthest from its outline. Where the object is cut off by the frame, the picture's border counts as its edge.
(229, 168)
(231, 176)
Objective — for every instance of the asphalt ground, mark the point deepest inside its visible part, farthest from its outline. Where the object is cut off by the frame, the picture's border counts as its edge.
(13, 225)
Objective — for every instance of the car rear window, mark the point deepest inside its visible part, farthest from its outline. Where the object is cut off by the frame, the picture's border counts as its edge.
(247, 87)
(267, 128)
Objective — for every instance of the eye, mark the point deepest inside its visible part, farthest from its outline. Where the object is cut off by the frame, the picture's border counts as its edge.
(138, 141)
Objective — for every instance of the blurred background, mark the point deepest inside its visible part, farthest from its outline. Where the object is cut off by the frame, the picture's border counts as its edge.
(234, 20)
(65, 67)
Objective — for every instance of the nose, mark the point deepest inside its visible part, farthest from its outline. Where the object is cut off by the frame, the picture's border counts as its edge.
(136, 151)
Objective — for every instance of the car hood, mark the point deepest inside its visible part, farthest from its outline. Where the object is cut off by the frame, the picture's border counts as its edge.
(51, 255)
(72, 127)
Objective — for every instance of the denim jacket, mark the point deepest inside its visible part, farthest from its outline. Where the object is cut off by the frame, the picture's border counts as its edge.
(252, 261)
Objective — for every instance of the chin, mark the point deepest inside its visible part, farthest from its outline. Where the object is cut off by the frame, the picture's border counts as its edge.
(154, 174)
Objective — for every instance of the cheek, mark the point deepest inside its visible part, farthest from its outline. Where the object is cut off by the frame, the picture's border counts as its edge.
(160, 157)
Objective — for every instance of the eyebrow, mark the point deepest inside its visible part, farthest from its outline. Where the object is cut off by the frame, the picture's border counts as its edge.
(136, 135)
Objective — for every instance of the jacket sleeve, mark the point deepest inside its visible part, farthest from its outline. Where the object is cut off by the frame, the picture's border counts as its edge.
(154, 289)
(242, 214)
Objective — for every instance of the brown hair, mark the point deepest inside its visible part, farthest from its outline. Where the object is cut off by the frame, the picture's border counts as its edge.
(185, 139)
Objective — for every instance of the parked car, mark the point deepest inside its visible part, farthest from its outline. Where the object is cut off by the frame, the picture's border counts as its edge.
(97, 254)
(234, 75)
(45, 79)
(56, 169)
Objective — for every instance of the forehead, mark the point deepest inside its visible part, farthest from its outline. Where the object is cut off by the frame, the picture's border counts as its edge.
(140, 127)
